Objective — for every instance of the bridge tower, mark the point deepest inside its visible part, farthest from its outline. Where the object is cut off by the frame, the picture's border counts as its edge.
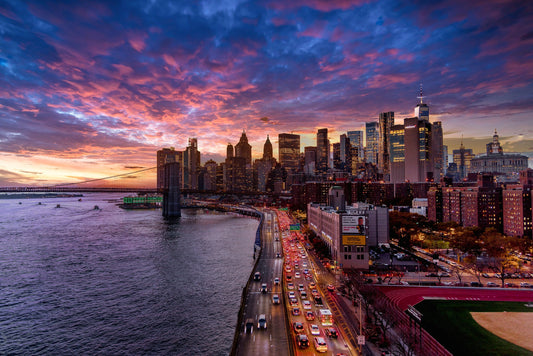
(171, 190)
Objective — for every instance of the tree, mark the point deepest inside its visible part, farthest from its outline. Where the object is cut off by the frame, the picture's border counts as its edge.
(499, 249)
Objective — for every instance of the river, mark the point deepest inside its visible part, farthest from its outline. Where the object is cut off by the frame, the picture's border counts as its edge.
(78, 280)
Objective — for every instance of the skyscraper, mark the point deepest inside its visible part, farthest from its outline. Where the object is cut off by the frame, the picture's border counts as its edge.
(166, 155)
(372, 142)
(417, 139)
(267, 149)
(437, 150)
(462, 158)
(345, 153)
(243, 149)
(310, 159)
(289, 151)
(356, 140)
(322, 151)
(397, 154)
(191, 165)
(386, 120)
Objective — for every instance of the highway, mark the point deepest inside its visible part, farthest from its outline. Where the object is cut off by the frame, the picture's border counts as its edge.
(303, 282)
(273, 339)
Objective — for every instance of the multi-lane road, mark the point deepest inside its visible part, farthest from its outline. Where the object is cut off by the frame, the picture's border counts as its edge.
(303, 300)
(273, 339)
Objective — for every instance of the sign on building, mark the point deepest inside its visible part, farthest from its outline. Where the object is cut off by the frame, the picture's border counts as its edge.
(294, 227)
(353, 224)
(354, 240)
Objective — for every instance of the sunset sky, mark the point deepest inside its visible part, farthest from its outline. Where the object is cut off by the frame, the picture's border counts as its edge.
(91, 89)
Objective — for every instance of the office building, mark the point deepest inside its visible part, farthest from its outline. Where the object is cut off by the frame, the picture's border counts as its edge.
(498, 163)
(264, 165)
(166, 155)
(397, 154)
(437, 151)
(310, 154)
(417, 140)
(191, 165)
(345, 153)
(386, 121)
(372, 142)
(289, 151)
(356, 140)
(462, 159)
(322, 151)
(349, 232)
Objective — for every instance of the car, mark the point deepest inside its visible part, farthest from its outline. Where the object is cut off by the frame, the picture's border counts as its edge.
(320, 344)
(314, 329)
(275, 299)
(296, 266)
(306, 271)
(295, 311)
(301, 287)
(312, 285)
(331, 332)
(288, 278)
(303, 294)
(276, 281)
(249, 326)
(257, 276)
(264, 288)
(318, 301)
(302, 341)
(292, 294)
(278, 255)
(297, 275)
(288, 269)
(298, 327)
(491, 284)
(262, 322)
(309, 315)
(306, 304)
(315, 293)
(293, 302)
(331, 287)
(290, 285)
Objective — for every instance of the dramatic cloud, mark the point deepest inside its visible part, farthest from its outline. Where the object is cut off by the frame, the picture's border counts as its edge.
(105, 84)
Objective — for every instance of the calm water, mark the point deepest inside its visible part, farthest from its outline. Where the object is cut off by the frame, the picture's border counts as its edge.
(74, 280)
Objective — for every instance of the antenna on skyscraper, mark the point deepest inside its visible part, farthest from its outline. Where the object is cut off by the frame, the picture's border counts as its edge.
(421, 96)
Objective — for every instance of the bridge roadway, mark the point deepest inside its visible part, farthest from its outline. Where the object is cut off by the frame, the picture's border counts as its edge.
(273, 340)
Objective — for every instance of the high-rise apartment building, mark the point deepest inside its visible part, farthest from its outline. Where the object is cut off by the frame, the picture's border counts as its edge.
(289, 151)
(372, 142)
(386, 121)
(322, 150)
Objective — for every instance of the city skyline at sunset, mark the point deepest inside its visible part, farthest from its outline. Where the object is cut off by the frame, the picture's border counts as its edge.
(94, 89)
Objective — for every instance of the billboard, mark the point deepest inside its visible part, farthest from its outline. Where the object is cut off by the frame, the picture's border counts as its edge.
(294, 227)
(353, 224)
(354, 240)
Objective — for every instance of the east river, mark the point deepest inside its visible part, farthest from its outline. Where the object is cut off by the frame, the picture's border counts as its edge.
(78, 281)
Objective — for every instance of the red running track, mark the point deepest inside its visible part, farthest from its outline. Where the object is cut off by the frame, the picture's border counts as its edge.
(411, 295)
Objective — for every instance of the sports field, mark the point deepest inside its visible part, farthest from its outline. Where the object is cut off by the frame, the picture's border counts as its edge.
(452, 323)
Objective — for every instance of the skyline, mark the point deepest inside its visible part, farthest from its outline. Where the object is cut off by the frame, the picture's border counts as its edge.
(95, 89)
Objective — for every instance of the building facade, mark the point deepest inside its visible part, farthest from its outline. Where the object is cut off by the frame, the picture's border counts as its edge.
(289, 151)
(349, 233)
(372, 142)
